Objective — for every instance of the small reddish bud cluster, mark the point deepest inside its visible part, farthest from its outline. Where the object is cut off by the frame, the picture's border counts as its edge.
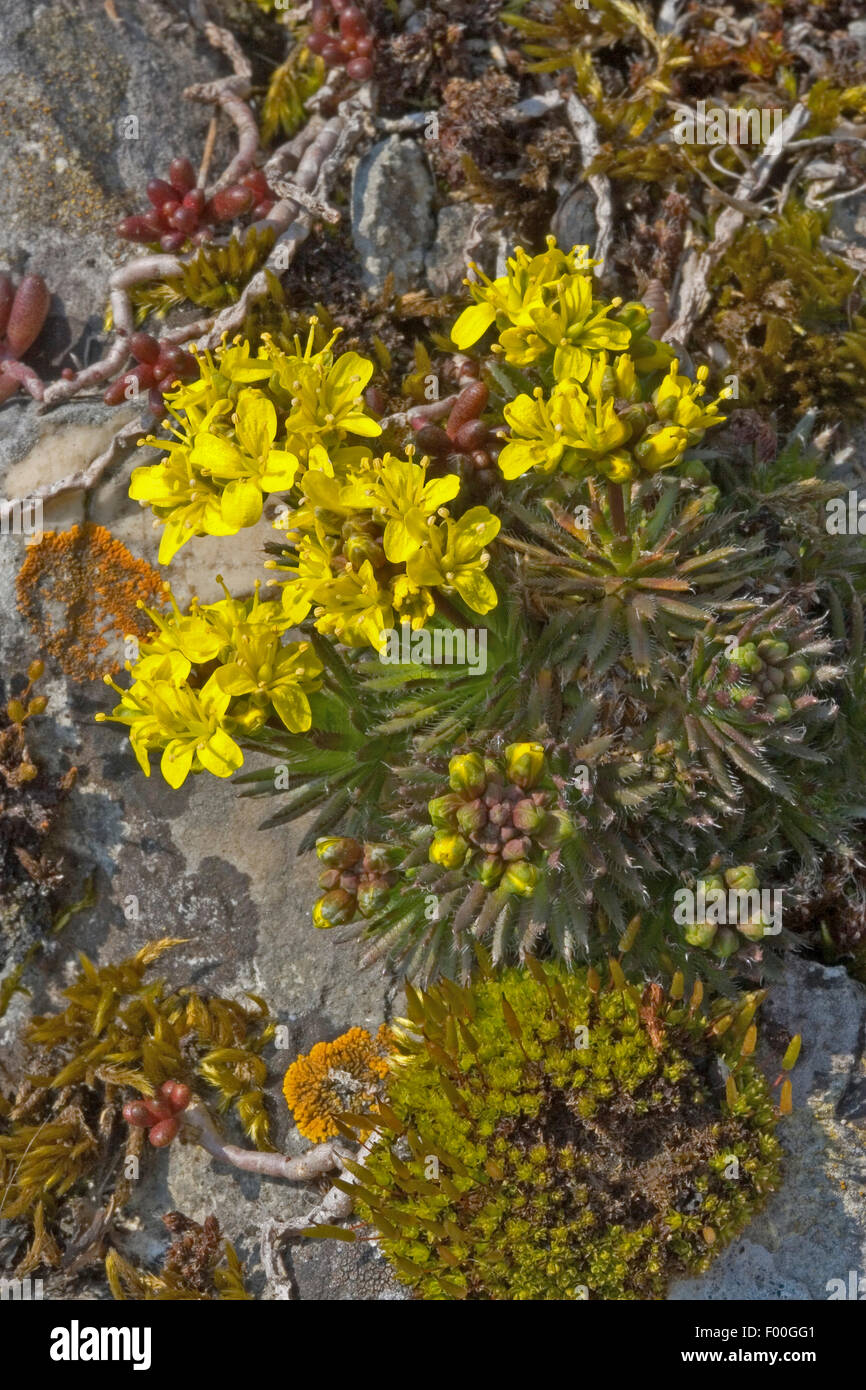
(159, 1116)
(464, 433)
(180, 212)
(350, 44)
(22, 315)
(158, 367)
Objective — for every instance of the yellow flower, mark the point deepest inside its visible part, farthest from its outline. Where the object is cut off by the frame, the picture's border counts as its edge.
(509, 301)
(397, 493)
(187, 502)
(249, 467)
(678, 401)
(577, 327)
(454, 557)
(164, 712)
(280, 675)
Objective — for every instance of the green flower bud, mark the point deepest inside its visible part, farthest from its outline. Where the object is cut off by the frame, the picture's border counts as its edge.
(378, 858)
(490, 870)
(742, 877)
(754, 928)
(700, 933)
(746, 657)
(710, 883)
(558, 827)
(772, 651)
(697, 471)
(472, 816)
(339, 851)
(448, 850)
(372, 895)
(359, 548)
(726, 943)
(527, 816)
(443, 810)
(797, 674)
(521, 879)
(524, 764)
(780, 707)
(335, 909)
(466, 774)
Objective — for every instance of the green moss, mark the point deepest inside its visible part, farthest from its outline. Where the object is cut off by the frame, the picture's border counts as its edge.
(547, 1139)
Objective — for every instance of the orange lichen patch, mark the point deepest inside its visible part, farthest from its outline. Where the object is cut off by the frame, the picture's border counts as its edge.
(78, 589)
(336, 1077)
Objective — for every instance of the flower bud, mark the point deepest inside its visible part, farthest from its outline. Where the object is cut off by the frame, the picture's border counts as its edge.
(742, 877)
(472, 816)
(359, 548)
(780, 707)
(338, 851)
(797, 674)
(328, 879)
(520, 879)
(466, 774)
(448, 850)
(35, 670)
(772, 651)
(379, 858)
(443, 810)
(558, 827)
(335, 909)
(527, 816)
(726, 943)
(490, 870)
(754, 928)
(516, 849)
(500, 813)
(524, 764)
(700, 933)
(661, 447)
(746, 657)
(372, 895)
(16, 711)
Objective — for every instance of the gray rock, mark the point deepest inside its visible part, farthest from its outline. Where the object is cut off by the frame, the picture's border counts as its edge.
(392, 213)
(446, 259)
(89, 111)
(813, 1230)
(573, 223)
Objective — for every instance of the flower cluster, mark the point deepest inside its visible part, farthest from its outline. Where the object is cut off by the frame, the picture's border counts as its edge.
(728, 910)
(498, 819)
(368, 549)
(356, 880)
(193, 720)
(245, 428)
(602, 409)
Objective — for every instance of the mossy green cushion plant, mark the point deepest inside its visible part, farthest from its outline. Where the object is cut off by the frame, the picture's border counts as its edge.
(548, 1138)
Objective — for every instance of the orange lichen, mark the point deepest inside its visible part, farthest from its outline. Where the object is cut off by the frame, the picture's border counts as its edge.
(335, 1078)
(79, 590)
